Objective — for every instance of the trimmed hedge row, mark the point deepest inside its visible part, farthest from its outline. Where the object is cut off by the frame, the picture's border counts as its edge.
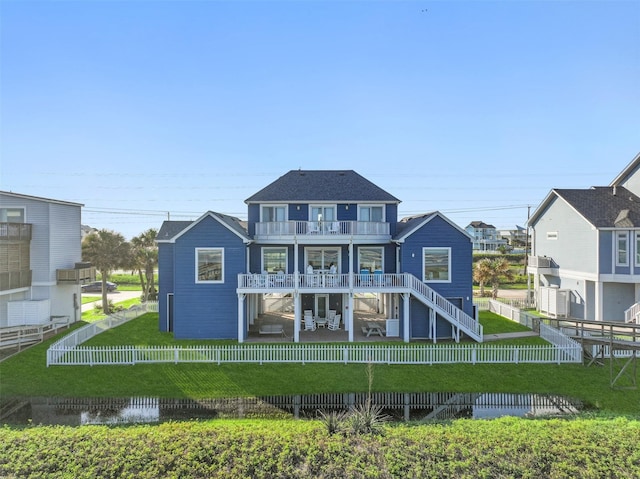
(507, 447)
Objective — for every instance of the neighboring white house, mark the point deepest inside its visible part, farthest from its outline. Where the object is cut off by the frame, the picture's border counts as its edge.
(485, 237)
(586, 249)
(41, 267)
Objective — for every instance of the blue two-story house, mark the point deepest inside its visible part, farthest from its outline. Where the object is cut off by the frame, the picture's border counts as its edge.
(319, 238)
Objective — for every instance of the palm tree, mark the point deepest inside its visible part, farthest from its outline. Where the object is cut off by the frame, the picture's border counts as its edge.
(499, 268)
(145, 260)
(107, 251)
(482, 273)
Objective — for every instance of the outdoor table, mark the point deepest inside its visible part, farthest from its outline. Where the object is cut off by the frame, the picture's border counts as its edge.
(373, 328)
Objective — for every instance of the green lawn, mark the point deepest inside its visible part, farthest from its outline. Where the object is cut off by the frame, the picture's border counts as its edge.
(26, 374)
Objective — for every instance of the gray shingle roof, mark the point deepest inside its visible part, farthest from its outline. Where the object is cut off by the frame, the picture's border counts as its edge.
(170, 229)
(601, 207)
(345, 186)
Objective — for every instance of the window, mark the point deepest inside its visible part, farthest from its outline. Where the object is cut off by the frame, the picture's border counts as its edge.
(323, 213)
(436, 264)
(209, 265)
(372, 213)
(274, 260)
(370, 259)
(12, 215)
(321, 258)
(552, 235)
(637, 249)
(271, 214)
(622, 249)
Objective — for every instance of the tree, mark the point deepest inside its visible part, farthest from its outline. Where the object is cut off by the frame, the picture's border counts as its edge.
(491, 271)
(144, 260)
(107, 251)
(482, 273)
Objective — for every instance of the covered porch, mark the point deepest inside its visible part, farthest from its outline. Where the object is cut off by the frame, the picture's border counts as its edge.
(266, 329)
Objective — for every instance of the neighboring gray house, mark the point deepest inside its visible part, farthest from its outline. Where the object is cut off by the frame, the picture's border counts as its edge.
(586, 249)
(40, 260)
(485, 237)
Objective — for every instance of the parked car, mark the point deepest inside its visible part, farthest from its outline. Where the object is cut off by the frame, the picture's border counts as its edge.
(96, 287)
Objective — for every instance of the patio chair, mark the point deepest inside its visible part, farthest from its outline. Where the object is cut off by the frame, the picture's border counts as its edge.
(365, 277)
(309, 323)
(334, 227)
(313, 227)
(334, 324)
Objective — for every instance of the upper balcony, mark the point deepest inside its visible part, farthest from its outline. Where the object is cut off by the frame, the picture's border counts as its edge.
(82, 273)
(15, 231)
(323, 231)
(542, 265)
(15, 280)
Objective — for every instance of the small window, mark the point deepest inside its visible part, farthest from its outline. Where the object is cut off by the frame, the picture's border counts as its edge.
(272, 214)
(209, 265)
(552, 235)
(622, 249)
(12, 215)
(637, 249)
(372, 213)
(436, 264)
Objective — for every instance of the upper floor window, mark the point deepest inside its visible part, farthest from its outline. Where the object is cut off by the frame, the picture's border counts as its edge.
(622, 249)
(637, 249)
(209, 265)
(12, 215)
(436, 264)
(322, 213)
(272, 214)
(274, 260)
(372, 213)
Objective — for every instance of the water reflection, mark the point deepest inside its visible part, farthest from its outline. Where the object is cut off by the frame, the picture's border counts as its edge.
(399, 406)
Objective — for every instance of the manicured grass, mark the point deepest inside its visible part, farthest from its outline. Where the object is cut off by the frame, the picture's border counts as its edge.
(90, 298)
(26, 374)
(493, 323)
(96, 314)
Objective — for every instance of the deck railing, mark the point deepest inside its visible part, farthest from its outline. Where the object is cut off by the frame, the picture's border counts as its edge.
(541, 262)
(310, 353)
(15, 280)
(632, 315)
(15, 231)
(322, 228)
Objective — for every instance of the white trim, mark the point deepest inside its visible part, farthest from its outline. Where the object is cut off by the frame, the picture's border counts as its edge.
(429, 217)
(196, 257)
(324, 206)
(213, 215)
(616, 256)
(448, 248)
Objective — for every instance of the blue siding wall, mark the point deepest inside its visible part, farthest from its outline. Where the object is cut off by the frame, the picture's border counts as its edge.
(605, 259)
(207, 311)
(296, 214)
(253, 217)
(347, 212)
(440, 233)
(391, 217)
(165, 281)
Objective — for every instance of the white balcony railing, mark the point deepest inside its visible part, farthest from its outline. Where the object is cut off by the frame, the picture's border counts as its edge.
(322, 228)
(541, 262)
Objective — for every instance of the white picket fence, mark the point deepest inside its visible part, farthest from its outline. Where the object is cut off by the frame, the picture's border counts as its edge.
(72, 340)
(312, 353)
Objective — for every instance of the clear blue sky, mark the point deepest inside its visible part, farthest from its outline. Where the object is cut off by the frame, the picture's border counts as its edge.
(476, 109)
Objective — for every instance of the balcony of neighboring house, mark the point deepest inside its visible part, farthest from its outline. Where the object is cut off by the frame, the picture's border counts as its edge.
(15, 231)
(10, 280)
(542, 265)
(322, 231)
(82, 273)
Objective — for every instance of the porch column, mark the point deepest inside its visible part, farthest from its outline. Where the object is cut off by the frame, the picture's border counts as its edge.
(349, 320)
(241, 318)
(405, 316)
(296, 317)
(599, 306)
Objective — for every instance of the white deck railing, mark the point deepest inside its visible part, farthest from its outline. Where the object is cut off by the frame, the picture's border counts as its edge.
(632, 315)
(312, 353)
(322, 228)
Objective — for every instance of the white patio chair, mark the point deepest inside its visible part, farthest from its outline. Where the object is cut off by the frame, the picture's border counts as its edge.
(313, 227)
(334, 324)
(309, 323)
